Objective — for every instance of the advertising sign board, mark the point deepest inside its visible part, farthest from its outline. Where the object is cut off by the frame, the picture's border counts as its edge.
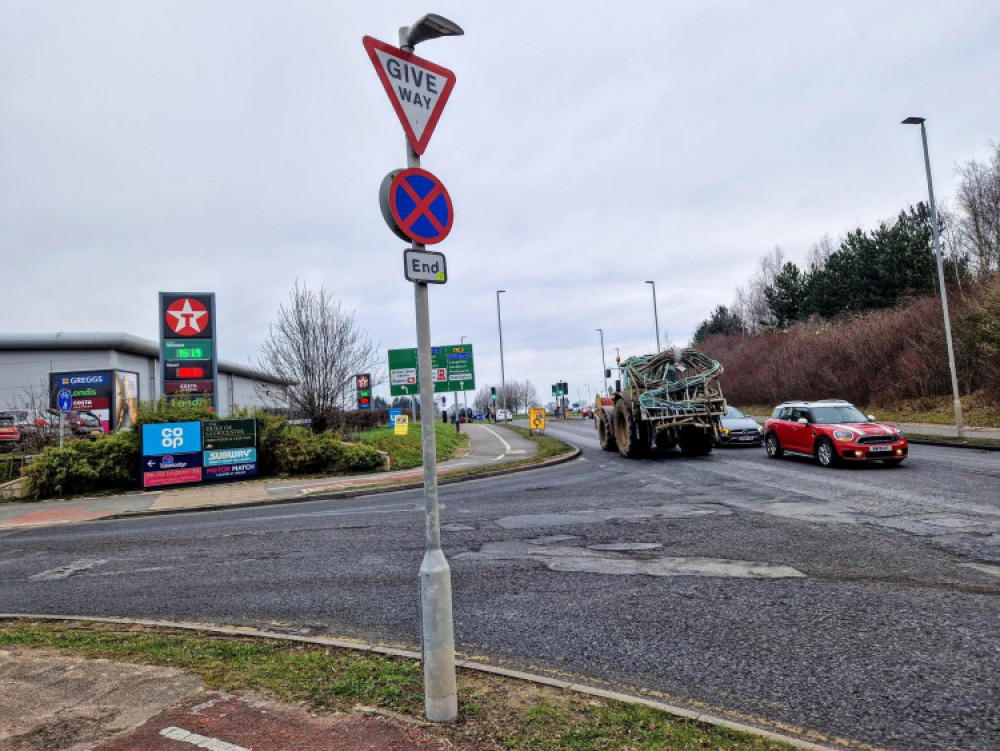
(182, 453)
(112, 396)
(187, 347)
(230, 434)
(452, 369)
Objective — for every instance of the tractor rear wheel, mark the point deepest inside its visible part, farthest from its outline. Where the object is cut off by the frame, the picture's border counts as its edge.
(628, 432)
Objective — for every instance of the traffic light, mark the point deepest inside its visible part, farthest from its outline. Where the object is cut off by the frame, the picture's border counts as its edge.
(493, 393)
(553, 389)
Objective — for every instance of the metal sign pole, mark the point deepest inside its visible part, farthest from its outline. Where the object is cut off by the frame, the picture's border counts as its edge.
(437, 628)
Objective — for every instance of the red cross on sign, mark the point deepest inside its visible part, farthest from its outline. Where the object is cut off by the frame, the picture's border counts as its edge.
(420, 206)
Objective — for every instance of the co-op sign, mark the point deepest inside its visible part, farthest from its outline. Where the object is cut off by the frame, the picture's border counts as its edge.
(183, 453)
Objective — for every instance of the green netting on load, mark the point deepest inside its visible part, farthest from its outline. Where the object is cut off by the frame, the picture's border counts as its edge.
(667, 387)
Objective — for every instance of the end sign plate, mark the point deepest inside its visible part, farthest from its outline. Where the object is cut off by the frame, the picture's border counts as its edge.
(425, 266)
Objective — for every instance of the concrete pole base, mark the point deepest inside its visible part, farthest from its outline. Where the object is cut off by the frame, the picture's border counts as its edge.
(440, 684)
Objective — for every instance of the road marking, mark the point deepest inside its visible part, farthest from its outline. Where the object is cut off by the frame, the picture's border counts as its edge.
(201, 741)
(64, 572)
(506, 446)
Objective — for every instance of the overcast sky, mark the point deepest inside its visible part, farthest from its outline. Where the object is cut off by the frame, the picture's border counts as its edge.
(235, 147)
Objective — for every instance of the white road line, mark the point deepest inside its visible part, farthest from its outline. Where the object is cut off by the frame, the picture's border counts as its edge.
(201, 741)
(506, 446)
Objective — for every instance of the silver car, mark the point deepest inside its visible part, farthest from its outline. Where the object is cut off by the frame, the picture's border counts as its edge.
(739, 430)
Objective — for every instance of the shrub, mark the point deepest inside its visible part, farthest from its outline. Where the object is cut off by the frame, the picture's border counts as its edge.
(84, 466)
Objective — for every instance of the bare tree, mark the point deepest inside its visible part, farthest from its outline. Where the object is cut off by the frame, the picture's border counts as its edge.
(319, 347)
(750, 303)
(978, 227)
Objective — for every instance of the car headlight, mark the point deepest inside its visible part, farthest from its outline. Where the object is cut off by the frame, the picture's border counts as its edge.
(843, 435)
(760, 429)
(724, 431)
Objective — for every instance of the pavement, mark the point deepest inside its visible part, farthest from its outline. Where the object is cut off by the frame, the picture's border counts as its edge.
(490, 446)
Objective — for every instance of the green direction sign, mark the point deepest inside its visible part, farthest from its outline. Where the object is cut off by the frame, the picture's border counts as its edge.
(229, 434)
(452, 369)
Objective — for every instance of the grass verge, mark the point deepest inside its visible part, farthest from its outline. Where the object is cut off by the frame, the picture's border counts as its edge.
(495, 713)
(406, 451)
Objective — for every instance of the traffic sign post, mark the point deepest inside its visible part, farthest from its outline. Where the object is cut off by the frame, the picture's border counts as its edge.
(421, 209)
(65, 401)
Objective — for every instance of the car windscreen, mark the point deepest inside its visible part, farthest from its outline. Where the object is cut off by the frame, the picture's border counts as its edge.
(90, 421)
(6, 421)
(734, 413)
(842, 413)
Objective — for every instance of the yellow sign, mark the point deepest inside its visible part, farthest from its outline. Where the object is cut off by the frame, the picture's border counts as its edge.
(402, 424)
(536, 418)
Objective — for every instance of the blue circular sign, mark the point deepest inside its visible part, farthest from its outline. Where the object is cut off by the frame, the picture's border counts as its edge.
(420, 206)
(65, 400)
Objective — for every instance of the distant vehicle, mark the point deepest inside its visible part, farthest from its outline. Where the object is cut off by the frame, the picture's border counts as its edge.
(739, 430)
(504, 414)
(9, 432)
(465, 415)
(833, 431)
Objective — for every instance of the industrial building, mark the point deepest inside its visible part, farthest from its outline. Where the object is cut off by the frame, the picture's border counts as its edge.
(27, 360)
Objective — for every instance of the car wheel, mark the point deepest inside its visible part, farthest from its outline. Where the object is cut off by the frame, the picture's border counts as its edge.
(892, 462)
(773, 447)
(825, 452)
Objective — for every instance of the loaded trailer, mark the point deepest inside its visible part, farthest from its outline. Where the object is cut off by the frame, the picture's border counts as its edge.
(669, 399)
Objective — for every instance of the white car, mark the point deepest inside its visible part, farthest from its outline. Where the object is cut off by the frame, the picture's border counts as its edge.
(504, 414)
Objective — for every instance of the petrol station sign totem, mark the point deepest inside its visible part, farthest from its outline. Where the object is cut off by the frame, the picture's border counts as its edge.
(187, 348)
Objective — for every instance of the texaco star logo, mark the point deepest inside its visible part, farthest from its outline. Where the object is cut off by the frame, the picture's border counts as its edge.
(187, 317)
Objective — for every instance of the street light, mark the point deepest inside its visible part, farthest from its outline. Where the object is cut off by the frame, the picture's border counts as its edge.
(503, 388)
(604, 367)
(656, 318)
(427, 27)
(437, 628)
(959, 421)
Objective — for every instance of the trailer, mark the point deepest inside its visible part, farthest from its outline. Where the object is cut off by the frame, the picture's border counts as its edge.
(668, 399)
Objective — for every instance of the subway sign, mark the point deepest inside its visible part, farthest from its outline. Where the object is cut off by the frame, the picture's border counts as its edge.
(189, 367)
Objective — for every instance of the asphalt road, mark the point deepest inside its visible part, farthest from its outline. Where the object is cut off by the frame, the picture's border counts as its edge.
(860, 603)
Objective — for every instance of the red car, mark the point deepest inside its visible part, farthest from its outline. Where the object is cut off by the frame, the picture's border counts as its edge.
(9, 431)
(833, 431)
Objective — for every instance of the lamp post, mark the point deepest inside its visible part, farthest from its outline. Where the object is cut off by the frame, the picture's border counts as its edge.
(465, 397)
(959, 421)
(604, 367)
(503, 387)
(656, 317)
(437, 624)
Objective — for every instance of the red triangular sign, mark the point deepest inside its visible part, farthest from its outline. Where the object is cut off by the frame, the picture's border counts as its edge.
(417, 88)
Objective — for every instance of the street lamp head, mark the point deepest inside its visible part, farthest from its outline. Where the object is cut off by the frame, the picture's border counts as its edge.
(649, 281)
(431, 26)
(913, 121)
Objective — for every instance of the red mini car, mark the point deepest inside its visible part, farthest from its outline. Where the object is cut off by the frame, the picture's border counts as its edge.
(9, 431)
(832, 430)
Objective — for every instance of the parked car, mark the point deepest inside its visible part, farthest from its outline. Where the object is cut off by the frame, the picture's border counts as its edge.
(739, 430)
(832, 430)
(85, 424)
(9, 432)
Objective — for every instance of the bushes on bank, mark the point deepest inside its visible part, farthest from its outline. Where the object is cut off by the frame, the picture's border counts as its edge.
(112, 462)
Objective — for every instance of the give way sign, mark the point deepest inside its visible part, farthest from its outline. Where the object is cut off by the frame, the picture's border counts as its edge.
(417, 88)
